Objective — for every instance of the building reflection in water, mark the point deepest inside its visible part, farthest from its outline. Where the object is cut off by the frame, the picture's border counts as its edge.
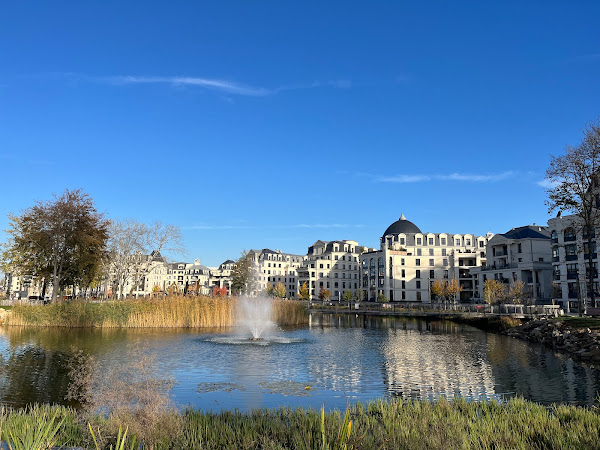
(421, 359)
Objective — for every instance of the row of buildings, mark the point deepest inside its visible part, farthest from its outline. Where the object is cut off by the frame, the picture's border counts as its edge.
(551, 261)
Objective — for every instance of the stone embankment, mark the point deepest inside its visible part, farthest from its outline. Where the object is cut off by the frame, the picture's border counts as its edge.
(582, 343)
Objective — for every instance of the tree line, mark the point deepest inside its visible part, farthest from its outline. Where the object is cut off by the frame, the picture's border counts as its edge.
(66, 243)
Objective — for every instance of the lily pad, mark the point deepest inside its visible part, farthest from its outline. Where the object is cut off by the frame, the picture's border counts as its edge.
(204, 388)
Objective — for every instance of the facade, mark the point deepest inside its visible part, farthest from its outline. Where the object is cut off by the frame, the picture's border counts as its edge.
(272, 267)
(522, 254)
(409, 261)
(570, 261)
(331, 265)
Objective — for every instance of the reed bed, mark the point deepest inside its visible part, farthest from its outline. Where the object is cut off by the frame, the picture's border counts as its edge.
(458, 424)
(165, 312)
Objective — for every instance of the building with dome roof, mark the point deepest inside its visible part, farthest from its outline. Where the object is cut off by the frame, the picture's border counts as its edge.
(409, 261)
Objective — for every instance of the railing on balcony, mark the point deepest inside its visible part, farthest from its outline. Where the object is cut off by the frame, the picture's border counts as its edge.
(500, 253)
(586, 256)
(571, 257)
(500, 266)
(571, 274)
(570, 238)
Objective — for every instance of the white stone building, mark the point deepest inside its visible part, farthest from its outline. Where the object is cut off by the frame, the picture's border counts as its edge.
(409, 261)
(272, 267)
(331, 265)
(570, 261)
(521, 254)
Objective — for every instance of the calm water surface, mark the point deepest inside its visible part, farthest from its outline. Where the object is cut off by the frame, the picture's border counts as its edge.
(339, 358)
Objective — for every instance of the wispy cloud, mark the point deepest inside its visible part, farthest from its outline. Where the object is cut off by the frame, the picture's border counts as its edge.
(207, 83)
(215, 84)
(547, 184)
(405, 179)
(455, 176)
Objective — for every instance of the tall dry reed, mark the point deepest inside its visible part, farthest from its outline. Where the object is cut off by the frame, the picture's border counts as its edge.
(158, 312)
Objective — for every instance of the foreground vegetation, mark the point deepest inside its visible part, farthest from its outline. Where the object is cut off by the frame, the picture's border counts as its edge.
(162, 312)
(387, 425)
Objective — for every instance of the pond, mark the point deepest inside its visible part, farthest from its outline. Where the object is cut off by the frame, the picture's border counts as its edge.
(334, 360)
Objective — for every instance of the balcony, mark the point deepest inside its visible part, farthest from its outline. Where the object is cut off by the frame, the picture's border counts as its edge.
(554, 240)
(571, 257)
(570, 237)
(586, 256)
(571, 274)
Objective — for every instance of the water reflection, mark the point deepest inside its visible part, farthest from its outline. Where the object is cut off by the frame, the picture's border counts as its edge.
(342, 358)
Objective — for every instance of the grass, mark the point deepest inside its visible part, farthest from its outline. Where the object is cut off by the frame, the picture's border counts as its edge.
(167, 312)
(580, 322)
(458, 424)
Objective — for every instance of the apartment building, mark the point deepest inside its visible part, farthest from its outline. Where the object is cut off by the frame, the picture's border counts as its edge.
(409, 261)
(331, 265)
(274, 266)
(521, 254)
(570, 261)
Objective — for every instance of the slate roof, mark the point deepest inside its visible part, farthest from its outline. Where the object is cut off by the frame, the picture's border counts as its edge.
(528, 232)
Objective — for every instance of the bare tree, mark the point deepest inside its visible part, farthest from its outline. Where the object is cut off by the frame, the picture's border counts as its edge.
(132, 245)
(575, 180)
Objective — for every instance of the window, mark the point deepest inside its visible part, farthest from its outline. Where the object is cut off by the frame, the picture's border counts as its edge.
(519, 248)
(335, 284)
(402, 261)
(418, 296)
(320, 266)
(430, 241)
(417, 274)
(418, 284)
(403, 273)
(445, 262)
(443, 241)
(480, 244)
(336, 257)
(570, 234)
(446, 274)
(430, 252)
(417, 262)
(418, 252)
(403, 284)
(443, 252)
(431, 262)
(320, 274)
(418, 241)
(403, 295)
(432, 274)
(402, 241)
(457, 242)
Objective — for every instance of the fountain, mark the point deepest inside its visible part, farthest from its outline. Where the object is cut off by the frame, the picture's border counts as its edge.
(256, 315)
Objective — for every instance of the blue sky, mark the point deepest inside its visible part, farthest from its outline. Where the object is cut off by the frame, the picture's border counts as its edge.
(274, 124)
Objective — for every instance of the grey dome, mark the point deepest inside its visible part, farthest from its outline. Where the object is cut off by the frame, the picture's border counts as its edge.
(402, 226)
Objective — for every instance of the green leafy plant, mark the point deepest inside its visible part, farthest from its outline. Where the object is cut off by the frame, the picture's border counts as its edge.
(121, 442)
(29, 437)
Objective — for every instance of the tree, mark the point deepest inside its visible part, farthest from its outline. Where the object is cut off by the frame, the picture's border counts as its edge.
(324, 294)
(242, 275)
(381, 298)
(360, 295)
(219, 291)
(493, 291)
(347, 295)
(515, 292)
(303, 292)
(135, 247)
(437, 289)
(61, 240)
(574, 179)
(279, 290)
(452, 288)
(269, 289)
